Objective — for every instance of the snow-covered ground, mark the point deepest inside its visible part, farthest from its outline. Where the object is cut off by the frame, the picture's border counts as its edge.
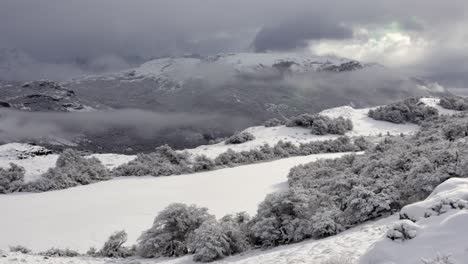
(349, 245)
(85, 216)
(442, 234)
(362, 126)
(434, 102)
(441, 229)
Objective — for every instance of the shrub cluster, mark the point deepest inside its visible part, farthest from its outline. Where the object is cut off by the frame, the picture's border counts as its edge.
(458, 103)
(274, 122)
(328, 196)
(163, 162)
(171, 230)
(71, 169)
(181, 229)
(20, 249)
(11, 179)
(166, 161)
(407, 111)
(56, 252)
(321, 125)
(287, 149)
(240, 138)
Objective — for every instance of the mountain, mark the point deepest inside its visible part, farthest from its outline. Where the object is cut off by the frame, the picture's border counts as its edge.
(209, 97)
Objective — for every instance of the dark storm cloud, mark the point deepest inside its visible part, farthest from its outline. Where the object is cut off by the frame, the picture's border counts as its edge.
(296, 33)
(94, 36)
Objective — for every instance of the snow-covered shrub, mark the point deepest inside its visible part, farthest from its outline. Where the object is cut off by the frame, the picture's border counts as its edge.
(326, 222)
(20, 249)
(456, 131)
(163, 162)
(217, 140)
(11, 179)
(170, 231)
(283, 218)
(56, 252)
(439, 259)
(92, 252)
(236, 229)
(273, 122)
(283, 150)
(363, 204)
(458, 103)
(215, 240)
(445, 205)
(403, 230)
(410, 110)
(362, 143)
(71, 169)
(209, 242)
(203, 163)
(113, 247)
(240, 138)
(322, 125)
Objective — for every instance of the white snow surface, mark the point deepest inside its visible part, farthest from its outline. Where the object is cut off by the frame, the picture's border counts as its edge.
(434, 102)
(438, 235)
(85, 216)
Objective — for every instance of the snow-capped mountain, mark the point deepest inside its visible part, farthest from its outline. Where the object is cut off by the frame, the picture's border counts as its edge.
(237, 90)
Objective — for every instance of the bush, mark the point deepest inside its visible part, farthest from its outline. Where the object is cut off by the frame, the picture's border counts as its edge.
(240, 138)
(454, 103)
(403, 230)
(71, 169)
(273, 122)
(11, 179)
(439, 259)
(55, 252)
(283, 218)
(216, 240)
(168, 237)
(209, 242)
(408, 111)
(203, 163)
(20, 249)
(163, 162)
(113, 248)
(322, 125)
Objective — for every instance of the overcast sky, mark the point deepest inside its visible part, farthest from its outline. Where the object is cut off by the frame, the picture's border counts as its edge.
(65, 38)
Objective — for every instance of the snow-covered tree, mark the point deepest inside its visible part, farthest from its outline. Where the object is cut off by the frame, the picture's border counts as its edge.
(71, 169)
(410, 110)
(209, 242)
(322, 125)
(163, 161)
(458, 103)
(113, 247)
(240, 138)
(170, 231)
(11, 179)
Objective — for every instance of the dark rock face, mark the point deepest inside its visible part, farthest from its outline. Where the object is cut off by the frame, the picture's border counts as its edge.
(48, 96)
(347, 66)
